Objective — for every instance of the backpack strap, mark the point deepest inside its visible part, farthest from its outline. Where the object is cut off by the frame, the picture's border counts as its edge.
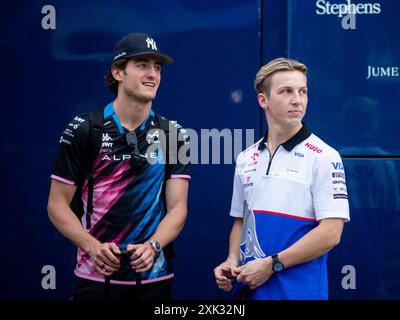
(96, 120)
(163, 123)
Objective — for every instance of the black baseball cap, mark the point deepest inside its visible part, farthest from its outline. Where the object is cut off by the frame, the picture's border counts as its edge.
(138, 44)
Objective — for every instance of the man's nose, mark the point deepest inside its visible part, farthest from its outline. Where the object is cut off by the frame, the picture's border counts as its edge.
(296, 98)
(152, 72)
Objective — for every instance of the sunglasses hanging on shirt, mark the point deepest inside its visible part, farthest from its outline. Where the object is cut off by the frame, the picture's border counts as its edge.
(136, 157)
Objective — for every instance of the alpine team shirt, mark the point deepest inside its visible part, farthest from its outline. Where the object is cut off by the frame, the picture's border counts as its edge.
(281, 198)
(128, 197)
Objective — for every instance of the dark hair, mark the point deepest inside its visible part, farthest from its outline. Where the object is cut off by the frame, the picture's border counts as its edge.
(110, 81)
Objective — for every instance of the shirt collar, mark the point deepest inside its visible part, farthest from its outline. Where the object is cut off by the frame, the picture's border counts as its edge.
(147, 123)
(299, 137)
(109, 112)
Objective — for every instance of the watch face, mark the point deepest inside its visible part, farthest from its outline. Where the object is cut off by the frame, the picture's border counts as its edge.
(278, 267)
(156, 245)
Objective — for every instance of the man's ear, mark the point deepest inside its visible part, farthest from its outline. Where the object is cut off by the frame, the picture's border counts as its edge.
(116, 73)
(262, 100)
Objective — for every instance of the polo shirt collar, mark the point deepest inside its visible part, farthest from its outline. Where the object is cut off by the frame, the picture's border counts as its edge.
(109, 112)
(299, 137)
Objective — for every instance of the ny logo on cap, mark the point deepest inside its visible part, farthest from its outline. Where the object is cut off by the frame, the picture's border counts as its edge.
(152, 43)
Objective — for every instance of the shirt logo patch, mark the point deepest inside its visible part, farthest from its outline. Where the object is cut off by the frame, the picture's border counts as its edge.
(254, 159)
(338, 175)
(248, 182)
(153, 138)
(340, 196)
(313, 148)
(106, 138)
(254, 156)
(249, 245)
(337, 166)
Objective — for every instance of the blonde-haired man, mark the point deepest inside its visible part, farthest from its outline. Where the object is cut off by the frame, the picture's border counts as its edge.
(289, 198)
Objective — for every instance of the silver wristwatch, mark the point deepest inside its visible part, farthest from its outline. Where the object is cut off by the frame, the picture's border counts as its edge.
(156, 246)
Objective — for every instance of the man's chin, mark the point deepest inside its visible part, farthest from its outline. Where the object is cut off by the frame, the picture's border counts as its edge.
(145, 98)
(294, 123)
(149, 97)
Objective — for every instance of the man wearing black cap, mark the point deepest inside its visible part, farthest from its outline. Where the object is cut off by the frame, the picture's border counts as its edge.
(134, 200)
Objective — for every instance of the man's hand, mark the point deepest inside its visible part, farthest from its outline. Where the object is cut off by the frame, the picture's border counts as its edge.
(104, 257)
(224, 274)
(254, 273)
(142, 257)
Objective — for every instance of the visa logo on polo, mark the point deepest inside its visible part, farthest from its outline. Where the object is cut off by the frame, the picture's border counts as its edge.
(337, 166)
(313, 148)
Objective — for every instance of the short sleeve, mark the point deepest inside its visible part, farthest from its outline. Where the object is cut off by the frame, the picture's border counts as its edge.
(237, 203)
(329, 189)
(178, 162)
(70, 155)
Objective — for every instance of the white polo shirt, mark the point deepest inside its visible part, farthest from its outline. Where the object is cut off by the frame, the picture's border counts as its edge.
(281, 197)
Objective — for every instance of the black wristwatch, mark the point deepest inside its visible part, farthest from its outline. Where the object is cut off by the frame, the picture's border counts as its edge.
(277, 266)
